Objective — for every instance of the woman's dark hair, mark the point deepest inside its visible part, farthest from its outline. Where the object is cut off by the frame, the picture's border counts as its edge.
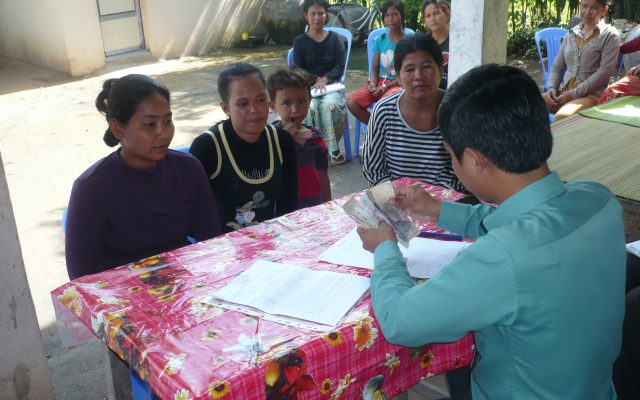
(120, 97)
(235, 71)
(397, 4)
(412, 43)
(441, 4)
(308, 3)
(498, 111)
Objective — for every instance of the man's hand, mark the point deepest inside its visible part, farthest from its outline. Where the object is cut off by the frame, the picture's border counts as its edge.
(634, 71)
(417, 203)
(371, 238)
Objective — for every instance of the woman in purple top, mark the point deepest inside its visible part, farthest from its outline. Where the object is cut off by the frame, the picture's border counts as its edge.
(143, 199)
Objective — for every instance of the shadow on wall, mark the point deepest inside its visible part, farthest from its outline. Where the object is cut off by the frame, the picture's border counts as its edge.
(221, 26)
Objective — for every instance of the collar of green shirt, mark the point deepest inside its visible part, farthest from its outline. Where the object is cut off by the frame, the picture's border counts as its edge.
(525, 200)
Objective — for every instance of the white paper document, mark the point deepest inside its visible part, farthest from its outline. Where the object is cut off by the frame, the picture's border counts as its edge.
(425, 257)
(334, 87)
(322, 297)
(634, 248)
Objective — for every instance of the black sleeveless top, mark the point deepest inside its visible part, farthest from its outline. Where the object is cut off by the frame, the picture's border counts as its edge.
(251, 182)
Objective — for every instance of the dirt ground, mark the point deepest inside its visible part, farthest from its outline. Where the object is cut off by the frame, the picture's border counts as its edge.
(51, 132)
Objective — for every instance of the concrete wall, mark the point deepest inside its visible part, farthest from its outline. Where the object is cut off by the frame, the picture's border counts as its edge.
(59, 34)
(24, 373)
(173, 30)
(478, 34)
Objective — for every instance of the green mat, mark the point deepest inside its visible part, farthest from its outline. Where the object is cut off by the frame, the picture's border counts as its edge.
(624, 110)
(602, 151)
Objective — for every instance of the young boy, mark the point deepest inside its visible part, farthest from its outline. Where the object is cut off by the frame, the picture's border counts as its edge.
(290, 95)
(542, 288)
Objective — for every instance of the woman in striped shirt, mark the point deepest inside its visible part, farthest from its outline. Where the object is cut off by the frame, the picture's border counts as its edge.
(404, 139)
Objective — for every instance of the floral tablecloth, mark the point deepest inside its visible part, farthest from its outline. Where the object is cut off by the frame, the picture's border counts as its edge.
(151, 313)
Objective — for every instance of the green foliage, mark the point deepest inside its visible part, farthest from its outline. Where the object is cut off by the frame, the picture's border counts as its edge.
(526, 17)
(521, 43)
(626, 9)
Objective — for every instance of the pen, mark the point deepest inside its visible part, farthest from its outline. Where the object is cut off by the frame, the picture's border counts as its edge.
(448, 236)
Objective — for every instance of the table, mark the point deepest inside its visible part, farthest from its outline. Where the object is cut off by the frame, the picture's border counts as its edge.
(151, 314)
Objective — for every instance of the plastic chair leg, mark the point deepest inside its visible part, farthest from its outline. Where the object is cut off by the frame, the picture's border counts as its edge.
(139, 389)
(347, 139)
(356, 138)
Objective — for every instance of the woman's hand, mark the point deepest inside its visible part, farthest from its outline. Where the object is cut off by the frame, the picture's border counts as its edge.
(417, 203)
(564, 98)
(321, 84)
(551, 97)
(371, 238)
(379, 91)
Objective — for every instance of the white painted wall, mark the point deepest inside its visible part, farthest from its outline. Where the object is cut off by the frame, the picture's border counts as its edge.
(65, 34)
(24, 372)
(173, 30)
(59, 34)
(478, 34)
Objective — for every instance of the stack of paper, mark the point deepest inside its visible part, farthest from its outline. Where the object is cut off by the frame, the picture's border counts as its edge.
(334, 87)
(425, 257)
(634, 248)
(322, 297)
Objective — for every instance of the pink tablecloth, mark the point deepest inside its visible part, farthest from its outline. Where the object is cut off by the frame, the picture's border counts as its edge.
(151, 314)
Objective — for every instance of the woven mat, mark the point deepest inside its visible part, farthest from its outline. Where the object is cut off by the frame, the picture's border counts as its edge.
(625, 110)
(603, 151)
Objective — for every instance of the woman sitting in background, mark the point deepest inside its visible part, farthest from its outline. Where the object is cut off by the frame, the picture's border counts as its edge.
(588, 57)
(627, 86)
(320, 54)
(404, 139)
(143, 199)
(436, 14)
(382, 81)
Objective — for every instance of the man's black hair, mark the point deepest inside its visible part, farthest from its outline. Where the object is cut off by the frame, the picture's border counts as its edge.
(499, 112)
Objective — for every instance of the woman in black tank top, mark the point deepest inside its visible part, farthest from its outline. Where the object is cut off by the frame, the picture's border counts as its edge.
(251, 165)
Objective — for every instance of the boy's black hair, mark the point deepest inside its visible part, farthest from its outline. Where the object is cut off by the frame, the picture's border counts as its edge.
(287, 77)
(498, 111)
(414, 42)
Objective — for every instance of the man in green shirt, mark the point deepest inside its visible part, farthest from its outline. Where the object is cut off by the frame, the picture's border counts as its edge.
(542, 287)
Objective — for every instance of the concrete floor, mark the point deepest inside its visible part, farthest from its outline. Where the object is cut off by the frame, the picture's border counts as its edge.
(51, 132)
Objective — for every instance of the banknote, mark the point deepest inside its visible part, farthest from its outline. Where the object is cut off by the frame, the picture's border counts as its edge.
(374, 206)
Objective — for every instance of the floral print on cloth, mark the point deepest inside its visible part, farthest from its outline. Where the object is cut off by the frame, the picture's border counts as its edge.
(153, 314)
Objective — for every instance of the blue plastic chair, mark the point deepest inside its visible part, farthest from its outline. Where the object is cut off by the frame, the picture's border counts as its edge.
(552, 37)
(347, 35)
(184, 149)
(139, 388)
(370, 40)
